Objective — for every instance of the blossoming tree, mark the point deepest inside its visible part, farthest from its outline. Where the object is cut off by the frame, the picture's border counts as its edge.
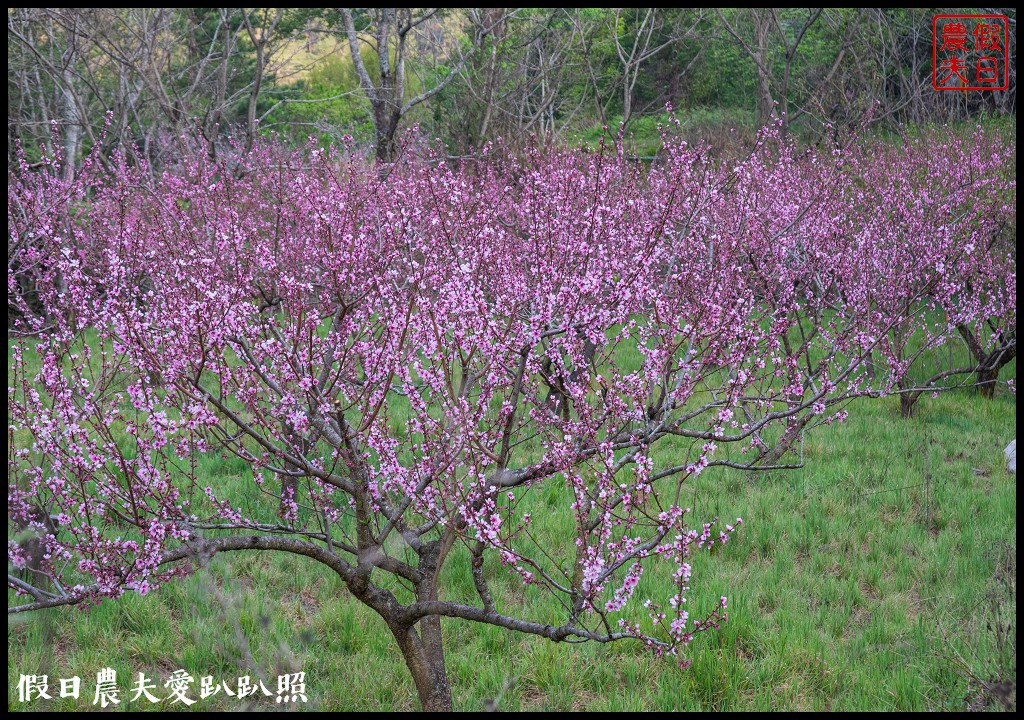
(405, 361)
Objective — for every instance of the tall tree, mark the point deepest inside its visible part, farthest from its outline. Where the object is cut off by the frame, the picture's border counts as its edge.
(387, 32)
(772, 42)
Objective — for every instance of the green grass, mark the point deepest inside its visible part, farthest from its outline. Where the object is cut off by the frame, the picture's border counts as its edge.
(874, 578)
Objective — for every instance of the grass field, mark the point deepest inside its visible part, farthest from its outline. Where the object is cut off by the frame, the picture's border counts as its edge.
(880, 576)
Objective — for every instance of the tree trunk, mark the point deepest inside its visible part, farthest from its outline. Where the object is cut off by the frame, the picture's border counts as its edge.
(72, 123)
(765, 101)
(989, 364)
(423, 648)
(907, 402)
(493, 17)
(987, 377)
(424, 656)
(785, 442)
(386, 124)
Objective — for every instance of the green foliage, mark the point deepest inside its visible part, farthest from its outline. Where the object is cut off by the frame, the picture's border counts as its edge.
(556, 73)
(347, 113)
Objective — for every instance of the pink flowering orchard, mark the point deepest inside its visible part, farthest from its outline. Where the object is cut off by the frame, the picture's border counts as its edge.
(411, 363)
(952, 205)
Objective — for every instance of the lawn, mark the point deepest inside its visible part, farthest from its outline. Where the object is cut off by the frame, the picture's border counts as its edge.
(880, 576)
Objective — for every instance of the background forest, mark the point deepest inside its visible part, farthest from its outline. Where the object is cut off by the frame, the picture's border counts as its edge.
(166, 76)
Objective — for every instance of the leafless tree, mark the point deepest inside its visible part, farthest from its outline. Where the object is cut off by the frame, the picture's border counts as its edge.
(387, 33)
(646, 38)
(769, 31)
(153, 75)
